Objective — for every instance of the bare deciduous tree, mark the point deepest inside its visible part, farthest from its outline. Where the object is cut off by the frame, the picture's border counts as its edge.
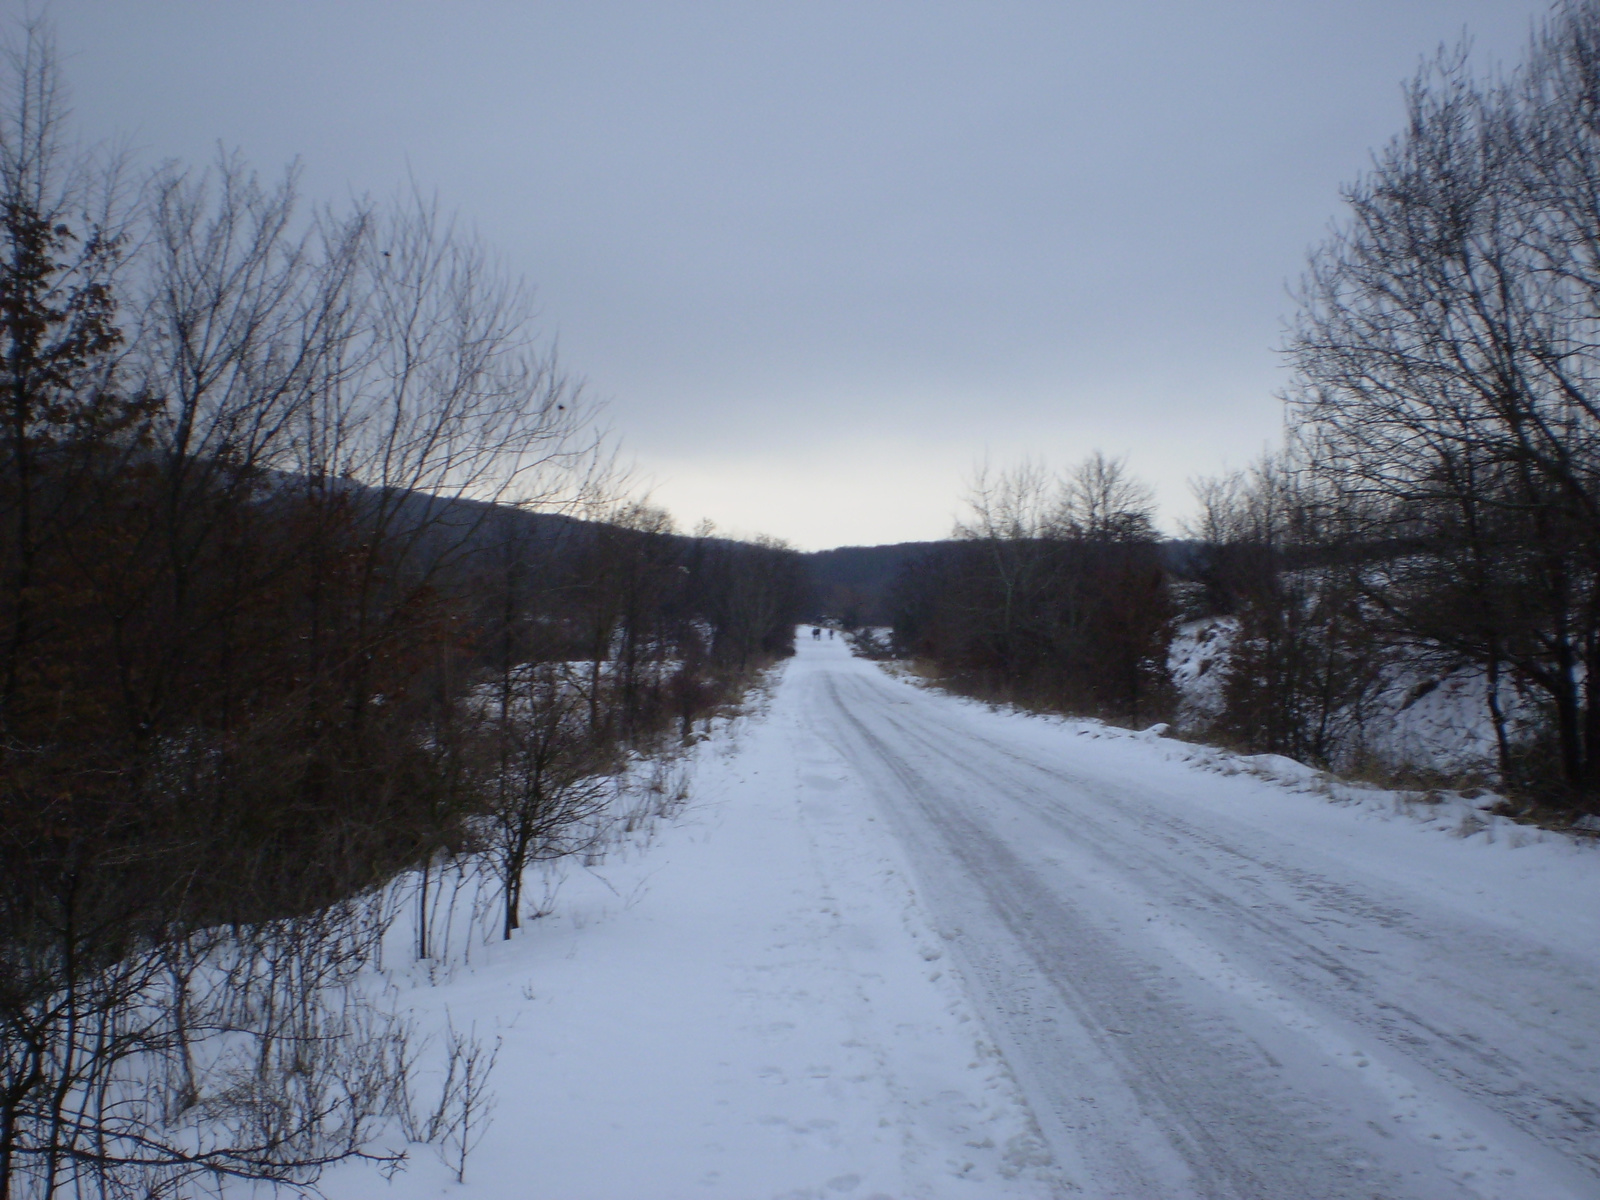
(1449, 377)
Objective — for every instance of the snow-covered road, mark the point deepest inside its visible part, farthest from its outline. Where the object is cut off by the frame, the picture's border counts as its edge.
(903, 946)
(1209, 986)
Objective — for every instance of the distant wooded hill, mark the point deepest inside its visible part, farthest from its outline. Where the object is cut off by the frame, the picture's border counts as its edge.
(852, 584)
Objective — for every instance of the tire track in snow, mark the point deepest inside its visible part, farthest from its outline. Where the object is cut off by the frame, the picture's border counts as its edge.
(1466, 971)
(1131, 1055)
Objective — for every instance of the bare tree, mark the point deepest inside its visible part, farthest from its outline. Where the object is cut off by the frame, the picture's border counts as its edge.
(1447, 371)
(1100, 502)
(243, 455)
(552, 777)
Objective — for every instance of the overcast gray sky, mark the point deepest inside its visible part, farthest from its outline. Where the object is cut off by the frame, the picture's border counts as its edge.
(821, 256)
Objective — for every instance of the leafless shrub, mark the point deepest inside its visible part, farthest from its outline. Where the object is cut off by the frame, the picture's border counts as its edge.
(458, 1117)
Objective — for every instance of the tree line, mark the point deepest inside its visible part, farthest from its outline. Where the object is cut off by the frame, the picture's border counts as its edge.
(284, 614)
(1435, 507)
(1053, 594)
(1437, 496)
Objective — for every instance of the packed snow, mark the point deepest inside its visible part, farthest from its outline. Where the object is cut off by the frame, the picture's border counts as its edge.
(903, 945)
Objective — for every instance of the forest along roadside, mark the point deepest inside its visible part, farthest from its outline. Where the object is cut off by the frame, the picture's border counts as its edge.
(1214, 985)
(748, 1003)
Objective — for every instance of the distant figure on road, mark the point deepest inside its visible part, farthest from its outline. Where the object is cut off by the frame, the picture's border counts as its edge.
(830, 635)
(816, 634)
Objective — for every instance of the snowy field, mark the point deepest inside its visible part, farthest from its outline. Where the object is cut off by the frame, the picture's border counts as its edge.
(902, 945)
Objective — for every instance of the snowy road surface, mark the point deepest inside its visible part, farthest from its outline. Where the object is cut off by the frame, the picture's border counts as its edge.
(1204, 997)
(906, 946)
